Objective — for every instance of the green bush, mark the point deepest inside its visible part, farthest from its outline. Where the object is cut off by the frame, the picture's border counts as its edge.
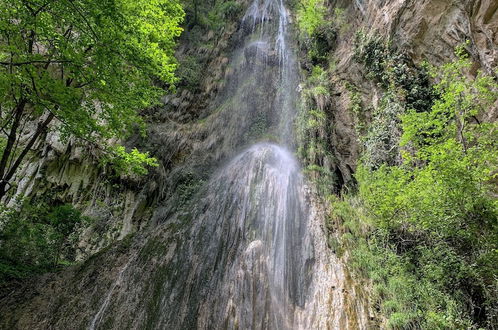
(310, 16)
(230, 9)
(425, 231)
(190, 72)
(36, 238)
(393, 69)
(318, 30)
(210, 14)
(380, 143)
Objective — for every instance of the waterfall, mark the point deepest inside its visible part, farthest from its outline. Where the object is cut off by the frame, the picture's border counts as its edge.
(256, 253)
(252, 254)
(98, 317)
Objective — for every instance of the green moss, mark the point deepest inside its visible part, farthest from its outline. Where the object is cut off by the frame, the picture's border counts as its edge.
(155, 294)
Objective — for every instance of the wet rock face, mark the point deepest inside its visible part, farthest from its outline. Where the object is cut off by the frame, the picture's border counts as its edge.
(255, 257)
(260, 51)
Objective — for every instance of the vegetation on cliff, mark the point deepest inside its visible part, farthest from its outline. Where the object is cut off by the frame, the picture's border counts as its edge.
(38, 237)
(80, 70)
(317, 30)
(420, 224)
(423, 223)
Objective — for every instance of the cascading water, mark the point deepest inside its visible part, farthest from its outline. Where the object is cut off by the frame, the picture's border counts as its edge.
(253, 254)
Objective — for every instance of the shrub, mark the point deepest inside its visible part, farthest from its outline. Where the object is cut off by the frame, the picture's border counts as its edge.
(425, 230)
(311, 16)
(37, 237)
(393, 69)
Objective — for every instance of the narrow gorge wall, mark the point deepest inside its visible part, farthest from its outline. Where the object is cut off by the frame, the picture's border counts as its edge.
(427, 30)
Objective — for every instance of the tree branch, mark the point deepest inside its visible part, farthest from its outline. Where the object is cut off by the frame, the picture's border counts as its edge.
(34, 62)
(19, 110)
(84, 18)
(42, 7)
(40, 129)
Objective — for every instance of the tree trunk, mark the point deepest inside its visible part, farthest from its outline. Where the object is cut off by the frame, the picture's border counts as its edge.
(196, 5)
(10, 174)
(11, 140)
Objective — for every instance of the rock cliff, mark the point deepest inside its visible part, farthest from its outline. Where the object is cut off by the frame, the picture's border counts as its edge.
(191, 135)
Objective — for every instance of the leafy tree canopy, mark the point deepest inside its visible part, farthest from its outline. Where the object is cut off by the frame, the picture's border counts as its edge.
(88, 65)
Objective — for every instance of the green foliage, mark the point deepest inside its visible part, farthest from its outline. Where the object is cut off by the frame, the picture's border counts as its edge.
(356, 108)
(36, 238)
(380, 143)
(229, 9)
(312, 120)
(317, 29)
(317, 91)
(425, 231)
(190, 72)
(90, 65)
(318, 76)
(128, 163)
(188, 187)
(355, 99)
(394, 70)
(203, 19)
(313, 125)
(311, 16)
(323, 178)
(341, 20)
(211, 15)
(373, 54)
(407, 89)
(217, 14)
